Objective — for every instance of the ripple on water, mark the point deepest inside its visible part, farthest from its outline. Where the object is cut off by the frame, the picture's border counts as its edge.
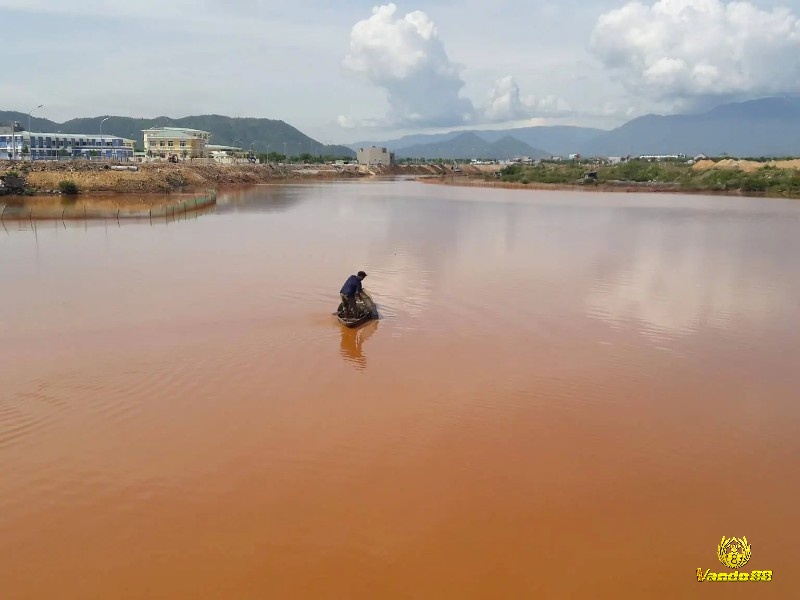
(25, 414)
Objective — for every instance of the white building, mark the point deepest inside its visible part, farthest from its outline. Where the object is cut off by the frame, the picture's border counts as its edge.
(374, 156)
(180, 141)
(52, 146)
(662, 156)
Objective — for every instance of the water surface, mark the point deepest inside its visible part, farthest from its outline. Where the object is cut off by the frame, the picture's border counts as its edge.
(568, 396)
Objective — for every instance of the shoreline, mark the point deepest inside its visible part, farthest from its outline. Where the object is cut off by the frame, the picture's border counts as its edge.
(152, 183)
(467, 181)
(155, 188)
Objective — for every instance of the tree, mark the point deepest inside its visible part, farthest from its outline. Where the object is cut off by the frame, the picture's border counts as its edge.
(25, 150)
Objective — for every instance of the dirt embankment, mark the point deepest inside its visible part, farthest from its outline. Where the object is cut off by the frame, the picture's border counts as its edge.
(45, 177)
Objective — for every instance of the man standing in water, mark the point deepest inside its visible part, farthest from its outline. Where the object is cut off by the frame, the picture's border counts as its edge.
(352, 288)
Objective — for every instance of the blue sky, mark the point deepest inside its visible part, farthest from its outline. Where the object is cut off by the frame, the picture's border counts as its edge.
(355, 70)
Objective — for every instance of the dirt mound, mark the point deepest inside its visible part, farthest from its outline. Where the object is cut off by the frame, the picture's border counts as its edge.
(748, 166)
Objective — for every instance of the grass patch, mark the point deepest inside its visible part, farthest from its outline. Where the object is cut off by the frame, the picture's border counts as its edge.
(68, 187)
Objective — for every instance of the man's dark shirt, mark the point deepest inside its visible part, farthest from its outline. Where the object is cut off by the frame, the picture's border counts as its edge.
(351, 286)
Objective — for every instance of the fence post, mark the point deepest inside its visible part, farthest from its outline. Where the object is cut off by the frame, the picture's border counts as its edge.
(2, 213)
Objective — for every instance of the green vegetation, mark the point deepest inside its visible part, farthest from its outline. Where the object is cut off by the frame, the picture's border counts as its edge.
(305, 158)
(768, 179)
(68, 187)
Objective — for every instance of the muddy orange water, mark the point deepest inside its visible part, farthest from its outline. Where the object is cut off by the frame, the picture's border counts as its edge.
(568, 396)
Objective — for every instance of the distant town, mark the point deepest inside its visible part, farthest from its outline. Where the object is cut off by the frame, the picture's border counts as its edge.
(174, 144)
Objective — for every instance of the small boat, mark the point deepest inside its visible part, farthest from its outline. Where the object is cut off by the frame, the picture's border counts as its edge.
(365, 311)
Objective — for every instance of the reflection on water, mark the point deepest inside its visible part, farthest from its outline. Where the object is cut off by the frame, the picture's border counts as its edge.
(59, 221)
(670, 274)
(263, 198)
(555, 373)
(352, 341)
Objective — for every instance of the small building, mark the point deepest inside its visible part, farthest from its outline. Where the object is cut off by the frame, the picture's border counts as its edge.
(375, 155)
(183, 142)
(224, 154)
(521, 160)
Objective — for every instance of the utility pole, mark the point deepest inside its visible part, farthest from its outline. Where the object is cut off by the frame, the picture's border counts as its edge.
(14, 125)
(101, 136)
(29, 117)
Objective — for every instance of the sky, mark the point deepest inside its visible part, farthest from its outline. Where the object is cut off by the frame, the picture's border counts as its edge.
(352, 70)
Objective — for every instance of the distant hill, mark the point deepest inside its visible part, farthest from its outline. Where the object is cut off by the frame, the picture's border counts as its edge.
(766, 127)
(510, 147)
(407, 140)
(558, 140)
(470, 145)
(264, 134)
(553, 140)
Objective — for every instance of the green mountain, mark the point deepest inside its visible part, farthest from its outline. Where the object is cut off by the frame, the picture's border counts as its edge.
(265, 135)
(469, 145)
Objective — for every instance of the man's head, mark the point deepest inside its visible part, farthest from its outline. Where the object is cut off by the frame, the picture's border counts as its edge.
(361, 275)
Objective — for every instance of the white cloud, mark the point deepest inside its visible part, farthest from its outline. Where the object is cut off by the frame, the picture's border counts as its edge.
(506, 104)
(405, 57)
(699, 50)
(346, 122)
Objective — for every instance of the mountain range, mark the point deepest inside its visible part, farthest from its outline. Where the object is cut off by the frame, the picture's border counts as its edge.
(765, 127)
